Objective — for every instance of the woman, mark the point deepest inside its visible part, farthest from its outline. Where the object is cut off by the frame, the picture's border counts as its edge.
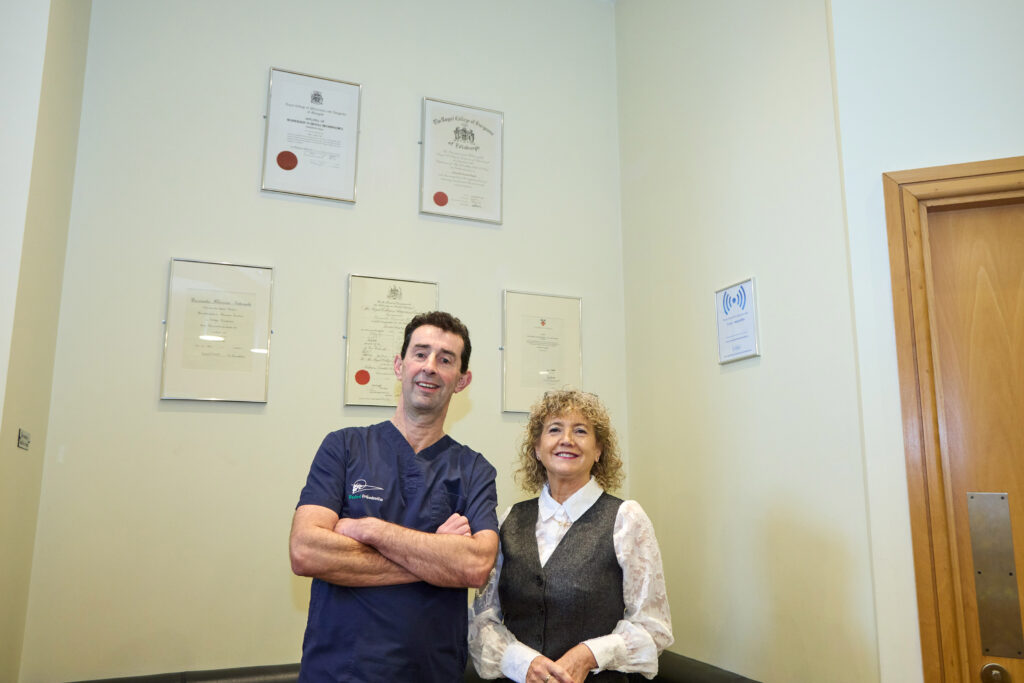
(578, 586)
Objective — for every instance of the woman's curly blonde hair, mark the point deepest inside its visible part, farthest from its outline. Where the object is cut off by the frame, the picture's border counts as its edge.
(532, 476)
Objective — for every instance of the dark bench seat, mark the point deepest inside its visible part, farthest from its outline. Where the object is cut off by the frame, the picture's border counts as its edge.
(672, 668)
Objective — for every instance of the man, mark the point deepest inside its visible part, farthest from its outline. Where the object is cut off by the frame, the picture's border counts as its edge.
(396, 520)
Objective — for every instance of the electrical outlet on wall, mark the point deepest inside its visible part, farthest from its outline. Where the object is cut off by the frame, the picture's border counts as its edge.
(24, 439)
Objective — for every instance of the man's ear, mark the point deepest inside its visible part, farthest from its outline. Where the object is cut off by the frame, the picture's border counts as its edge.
(398, 365)
(464, 381)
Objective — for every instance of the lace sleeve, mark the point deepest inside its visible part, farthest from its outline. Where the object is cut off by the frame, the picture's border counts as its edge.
(491, 644)
(645, 630)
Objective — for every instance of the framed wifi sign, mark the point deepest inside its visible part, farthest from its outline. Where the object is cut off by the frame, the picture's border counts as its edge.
(737, 322)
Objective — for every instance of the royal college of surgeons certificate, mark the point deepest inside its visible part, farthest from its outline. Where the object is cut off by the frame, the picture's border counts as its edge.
(462, 161)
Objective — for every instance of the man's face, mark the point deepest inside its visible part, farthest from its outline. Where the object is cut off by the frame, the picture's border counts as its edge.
(429, 373)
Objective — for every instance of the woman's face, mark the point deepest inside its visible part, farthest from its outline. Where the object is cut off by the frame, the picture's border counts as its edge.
(568, 448)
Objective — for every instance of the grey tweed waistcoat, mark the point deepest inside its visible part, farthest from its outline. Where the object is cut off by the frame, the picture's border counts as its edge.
(575, 596)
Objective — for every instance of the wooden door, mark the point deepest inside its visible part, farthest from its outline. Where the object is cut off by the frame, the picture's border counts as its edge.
(956, 237)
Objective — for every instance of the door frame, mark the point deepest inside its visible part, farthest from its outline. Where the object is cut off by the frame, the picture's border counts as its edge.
(908, 196)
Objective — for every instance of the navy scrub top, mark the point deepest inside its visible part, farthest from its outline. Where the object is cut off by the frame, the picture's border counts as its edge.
(409, 632)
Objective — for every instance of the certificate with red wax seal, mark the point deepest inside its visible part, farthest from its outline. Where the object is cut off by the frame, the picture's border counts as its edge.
(461, 161)
(379, 308)
(311, 137)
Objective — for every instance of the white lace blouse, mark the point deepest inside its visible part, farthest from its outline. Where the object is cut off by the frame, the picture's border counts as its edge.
(646, 625)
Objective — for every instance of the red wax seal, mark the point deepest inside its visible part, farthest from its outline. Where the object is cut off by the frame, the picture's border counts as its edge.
(287, 160)
(440, 198)
(362, 377)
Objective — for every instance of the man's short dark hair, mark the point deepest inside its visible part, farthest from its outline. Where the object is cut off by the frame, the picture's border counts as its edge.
(446, 322)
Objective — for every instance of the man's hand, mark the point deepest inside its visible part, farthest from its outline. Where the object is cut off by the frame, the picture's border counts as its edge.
(350, 527)
(454, 557)
(318, 550)
(354, 528)
(457, 525)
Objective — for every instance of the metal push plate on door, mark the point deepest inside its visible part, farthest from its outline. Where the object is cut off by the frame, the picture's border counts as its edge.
(995, 576)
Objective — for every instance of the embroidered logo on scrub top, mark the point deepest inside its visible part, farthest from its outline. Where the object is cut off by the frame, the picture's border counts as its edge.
(360, 485)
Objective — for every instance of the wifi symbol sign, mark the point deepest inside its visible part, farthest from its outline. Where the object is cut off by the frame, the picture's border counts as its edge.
(735, 298)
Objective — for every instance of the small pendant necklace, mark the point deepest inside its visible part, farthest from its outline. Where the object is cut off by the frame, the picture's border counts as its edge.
(563, 520)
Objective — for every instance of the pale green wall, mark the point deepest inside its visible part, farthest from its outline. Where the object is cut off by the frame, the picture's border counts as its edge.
(920, 84)
(752, 472)
(162, 541)
(37, 265)
(22, 41)
(162, 527)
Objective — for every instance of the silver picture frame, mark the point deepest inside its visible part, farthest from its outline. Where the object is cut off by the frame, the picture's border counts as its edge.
(378, 310)
(461, 161)
(311, 138)
(542, 347)
(217, 332)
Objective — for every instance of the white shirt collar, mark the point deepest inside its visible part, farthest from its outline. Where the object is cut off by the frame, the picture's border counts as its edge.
(574, 507)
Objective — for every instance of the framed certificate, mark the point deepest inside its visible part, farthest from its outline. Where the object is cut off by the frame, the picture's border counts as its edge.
(217, 332)
(312, 136)
(461, 161)
(378, 310)
(737, 322)
(542, 347)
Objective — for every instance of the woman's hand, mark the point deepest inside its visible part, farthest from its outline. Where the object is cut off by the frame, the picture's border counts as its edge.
(543, 670)
(577, 662)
